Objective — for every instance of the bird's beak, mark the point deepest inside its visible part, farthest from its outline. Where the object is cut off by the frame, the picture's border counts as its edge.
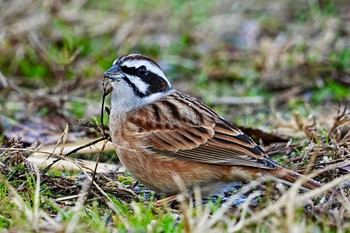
(114, 73)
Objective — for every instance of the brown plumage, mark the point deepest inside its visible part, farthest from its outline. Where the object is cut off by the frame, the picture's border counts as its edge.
(160, 133)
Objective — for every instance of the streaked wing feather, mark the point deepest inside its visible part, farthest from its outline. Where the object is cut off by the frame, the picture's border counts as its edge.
(212, 155)
(187, 135)
(178, 139)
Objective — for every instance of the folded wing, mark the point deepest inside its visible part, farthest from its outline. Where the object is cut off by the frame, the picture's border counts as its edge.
(180, 126)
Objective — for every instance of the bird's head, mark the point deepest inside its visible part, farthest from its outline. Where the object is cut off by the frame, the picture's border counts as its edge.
(136, 80)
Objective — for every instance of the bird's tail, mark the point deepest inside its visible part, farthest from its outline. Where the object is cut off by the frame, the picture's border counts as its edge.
(290, 177)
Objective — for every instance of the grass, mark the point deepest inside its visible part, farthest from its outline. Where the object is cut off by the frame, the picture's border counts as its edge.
(294, 55)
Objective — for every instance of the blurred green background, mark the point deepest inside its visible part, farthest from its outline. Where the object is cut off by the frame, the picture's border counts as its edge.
(284, 55)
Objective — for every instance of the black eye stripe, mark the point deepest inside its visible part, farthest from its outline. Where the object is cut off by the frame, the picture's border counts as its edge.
(129, 70)
(142, 71)
(155, 82)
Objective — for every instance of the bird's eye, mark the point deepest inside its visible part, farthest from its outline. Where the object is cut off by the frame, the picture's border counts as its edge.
(142, 71)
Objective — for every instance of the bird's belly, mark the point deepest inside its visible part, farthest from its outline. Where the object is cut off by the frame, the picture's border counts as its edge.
(167, 175)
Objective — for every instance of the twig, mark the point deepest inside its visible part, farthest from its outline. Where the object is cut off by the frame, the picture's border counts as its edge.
(74, 151)
(106, 92)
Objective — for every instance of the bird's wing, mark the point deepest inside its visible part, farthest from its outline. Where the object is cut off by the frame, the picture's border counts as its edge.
(180, 126)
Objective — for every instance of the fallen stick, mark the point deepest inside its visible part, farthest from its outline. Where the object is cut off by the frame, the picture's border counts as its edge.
(48, 154)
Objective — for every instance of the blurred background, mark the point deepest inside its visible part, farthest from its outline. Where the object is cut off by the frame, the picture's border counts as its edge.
(251, 60)
(279, 69)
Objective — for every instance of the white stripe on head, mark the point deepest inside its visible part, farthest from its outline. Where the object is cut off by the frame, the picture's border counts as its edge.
(150, 66)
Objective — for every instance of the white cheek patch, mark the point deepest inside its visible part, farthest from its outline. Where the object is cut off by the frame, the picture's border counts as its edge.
(141, 85)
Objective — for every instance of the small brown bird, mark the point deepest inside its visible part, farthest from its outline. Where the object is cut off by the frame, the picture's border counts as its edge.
(160, 133)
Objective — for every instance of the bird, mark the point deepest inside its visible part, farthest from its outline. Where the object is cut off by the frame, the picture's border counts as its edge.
(162, 135)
